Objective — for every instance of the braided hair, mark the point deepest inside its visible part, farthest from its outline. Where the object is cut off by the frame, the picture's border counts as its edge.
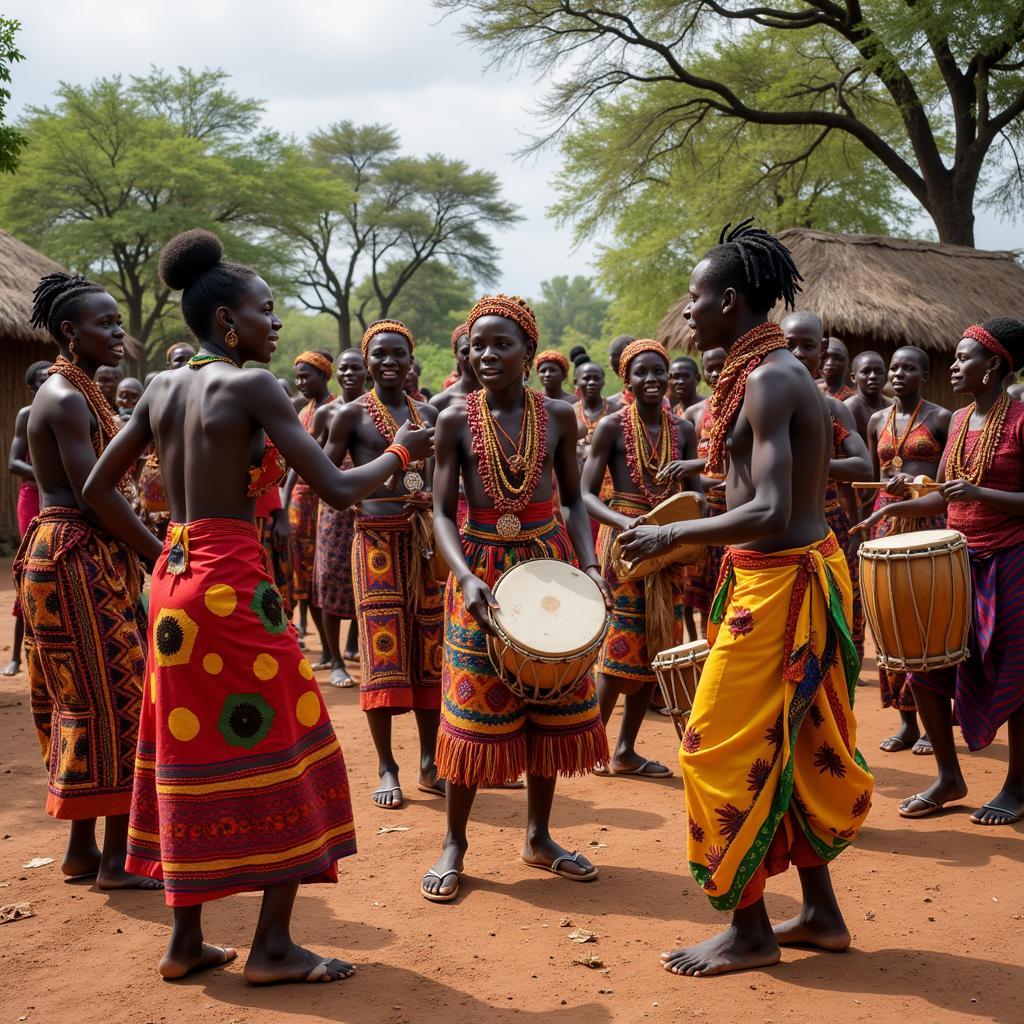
(59, 297)
(1009, 332)
(756, 264)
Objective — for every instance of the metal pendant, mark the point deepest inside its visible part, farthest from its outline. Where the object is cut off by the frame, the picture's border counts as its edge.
(413, 481)
(517, 464)
(897, 463)
(177, 559)
(509, 526)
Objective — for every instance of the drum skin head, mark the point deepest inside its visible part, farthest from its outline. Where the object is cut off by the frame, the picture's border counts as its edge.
(683, 653)
(919, 540)
(549, 607)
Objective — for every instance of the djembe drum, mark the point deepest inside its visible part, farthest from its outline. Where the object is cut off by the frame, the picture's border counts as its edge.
(678, 670)
(916, 591)
(549, 626)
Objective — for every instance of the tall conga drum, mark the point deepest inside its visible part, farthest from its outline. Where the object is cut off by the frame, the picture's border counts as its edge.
(549, 627)
(916, 591)
(678, 671)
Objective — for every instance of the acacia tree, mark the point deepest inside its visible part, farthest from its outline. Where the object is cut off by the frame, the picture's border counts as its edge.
(366, 211)
(952, 73)
(11, 140)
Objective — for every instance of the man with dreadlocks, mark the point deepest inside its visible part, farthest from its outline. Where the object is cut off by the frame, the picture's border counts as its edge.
(79, 589)
(771, 771)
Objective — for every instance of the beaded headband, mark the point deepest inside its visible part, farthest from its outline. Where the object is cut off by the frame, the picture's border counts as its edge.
(315, 359)
(509, 306)
(460, 332)
(551, 356)
(386, 327)
(989, 341)
(635, 348)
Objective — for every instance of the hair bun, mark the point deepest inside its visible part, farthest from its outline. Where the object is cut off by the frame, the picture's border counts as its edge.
(188, 256)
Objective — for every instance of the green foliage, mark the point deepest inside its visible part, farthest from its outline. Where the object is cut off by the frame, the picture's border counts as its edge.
(114, 169)
(569, 312)
(12, 141)
(366, 221)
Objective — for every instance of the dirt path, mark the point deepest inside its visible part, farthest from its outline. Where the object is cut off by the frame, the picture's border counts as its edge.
(936, 909)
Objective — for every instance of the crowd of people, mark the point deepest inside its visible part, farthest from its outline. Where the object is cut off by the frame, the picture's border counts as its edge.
(200, 525)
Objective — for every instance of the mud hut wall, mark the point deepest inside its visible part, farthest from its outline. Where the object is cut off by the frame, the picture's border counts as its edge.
(15, 359)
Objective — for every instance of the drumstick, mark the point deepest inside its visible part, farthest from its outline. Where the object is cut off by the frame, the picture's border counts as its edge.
(869, 485)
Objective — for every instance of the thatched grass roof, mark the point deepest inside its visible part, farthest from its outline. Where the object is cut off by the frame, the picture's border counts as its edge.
(892, 291)
(21, 266)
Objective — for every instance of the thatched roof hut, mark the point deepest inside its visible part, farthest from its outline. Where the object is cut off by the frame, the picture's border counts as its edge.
(20, 346)
(880, 293)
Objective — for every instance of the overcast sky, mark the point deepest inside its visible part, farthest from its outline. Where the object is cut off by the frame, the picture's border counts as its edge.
(394, 61)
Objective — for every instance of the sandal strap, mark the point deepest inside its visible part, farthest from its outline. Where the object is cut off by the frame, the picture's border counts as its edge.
(574, 857)
(441, 878)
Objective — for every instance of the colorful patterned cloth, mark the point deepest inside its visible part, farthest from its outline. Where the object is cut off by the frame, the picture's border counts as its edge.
(240, 783)
(839, 523)
(302, 517)
(771, 742)
(700, 579)
(489, 735)
(83, 644)
(333, 590)
(634, 637)
(988, 687)
(399, 630)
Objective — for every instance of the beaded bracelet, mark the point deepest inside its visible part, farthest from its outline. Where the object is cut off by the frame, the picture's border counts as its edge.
(402, 452)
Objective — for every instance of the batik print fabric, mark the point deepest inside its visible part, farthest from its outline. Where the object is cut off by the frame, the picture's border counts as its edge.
(634, 637)
(240, 783)
(771, 742)
(79, 592)
(302, 517)
(839, 523)
(399, 630)
(333, 590)
(489, 735)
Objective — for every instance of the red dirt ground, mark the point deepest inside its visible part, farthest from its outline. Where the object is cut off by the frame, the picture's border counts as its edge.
(936, 909)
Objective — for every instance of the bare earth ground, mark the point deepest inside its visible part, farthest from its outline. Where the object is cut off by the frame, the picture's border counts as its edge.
(936, 909)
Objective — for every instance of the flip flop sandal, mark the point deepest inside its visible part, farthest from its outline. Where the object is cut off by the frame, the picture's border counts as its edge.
(341, 680)
(319, 666)
(639, 770)
(85, 876)
(322, 973)
(435, 789)
(553, 867)
(392, 806)
(896, 746)
(931, 807)
(922, 748)
(1012, 816)
(435, 897)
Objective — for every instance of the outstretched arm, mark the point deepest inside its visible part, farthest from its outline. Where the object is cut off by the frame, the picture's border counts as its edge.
(601, 446)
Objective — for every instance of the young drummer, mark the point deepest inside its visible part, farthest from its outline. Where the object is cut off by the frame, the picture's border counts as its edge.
(637, 444)
(333, 592)
(506, 442)
(552, 370)
(771, 771)
(906, 440)
(397, 599)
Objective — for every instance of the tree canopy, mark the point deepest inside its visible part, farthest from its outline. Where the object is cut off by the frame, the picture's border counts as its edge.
(12, 141)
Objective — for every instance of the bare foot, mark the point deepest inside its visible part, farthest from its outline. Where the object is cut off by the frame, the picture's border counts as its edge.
(832, 936)
(173, 966)
(444, 877)
(297, 964)
(82, 864)
(389, 794)
(730, 951)
(112, 881)
(12, 668)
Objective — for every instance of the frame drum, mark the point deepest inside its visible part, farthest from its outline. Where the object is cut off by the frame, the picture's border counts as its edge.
(916, 591)
(677, 509)
(678, 670)
(549, 627)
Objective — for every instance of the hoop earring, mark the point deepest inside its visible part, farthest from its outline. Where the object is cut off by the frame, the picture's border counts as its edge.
(231, 339)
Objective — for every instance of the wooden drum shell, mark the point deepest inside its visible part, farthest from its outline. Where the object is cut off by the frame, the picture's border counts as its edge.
(917, 599)
(678, 670)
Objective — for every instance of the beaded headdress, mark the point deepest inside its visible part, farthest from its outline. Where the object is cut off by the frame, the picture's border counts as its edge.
(512, 307)
(389, 327)
(635, 348)
(315, 359)
(460, 332)
(990, 341)
(551, 356)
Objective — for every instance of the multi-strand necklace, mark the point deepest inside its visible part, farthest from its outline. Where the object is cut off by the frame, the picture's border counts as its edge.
(387, 427)
(499, 469)
(974, 467)
(896, 462)
(591, 424)
(647, 458)
(107, 424)
(724, 404)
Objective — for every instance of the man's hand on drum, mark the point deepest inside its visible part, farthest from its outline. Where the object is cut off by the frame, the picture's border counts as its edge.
(606, 592)
(680, 469)
(477, 597)
(866, 525)
(961, 490)
(899, 485)
(646, 541)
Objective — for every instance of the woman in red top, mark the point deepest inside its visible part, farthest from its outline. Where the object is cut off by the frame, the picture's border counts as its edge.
(982, 471)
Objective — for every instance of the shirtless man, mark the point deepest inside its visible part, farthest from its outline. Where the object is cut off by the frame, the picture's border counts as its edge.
(107, 378)
(713, 362)
(467, 381)
(835, 367)
(683, 378)
(615, 350)
(869, 376)
(773, 692)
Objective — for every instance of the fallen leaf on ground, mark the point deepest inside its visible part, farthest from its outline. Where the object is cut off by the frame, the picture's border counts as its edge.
(384, 830)
(589, 960)
(38, 862)
(15, 912)
(582, 935)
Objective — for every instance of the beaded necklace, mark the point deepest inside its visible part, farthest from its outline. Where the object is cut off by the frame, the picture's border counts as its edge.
(724, 404)
(497, 469)
(646, 459)
(896, 462)
(387, 427)
(974, 467)
(201, 359)
(107, 424)
(591, 424)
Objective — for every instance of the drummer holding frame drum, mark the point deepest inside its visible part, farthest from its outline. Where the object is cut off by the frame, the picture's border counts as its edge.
(505, 442)
(982, 493)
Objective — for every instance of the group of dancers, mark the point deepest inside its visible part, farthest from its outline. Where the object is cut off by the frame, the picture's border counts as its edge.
(193, 723)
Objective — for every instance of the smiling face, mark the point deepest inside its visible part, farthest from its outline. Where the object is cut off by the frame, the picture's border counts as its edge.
(98, 334)
(350, 371)
(970, 364)
(590, 377)
(682, 382)
(869, 374)
(253, 319)
(908, 372)
(499, 351)
(551, 376)
(388, 359)
(648, 378)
